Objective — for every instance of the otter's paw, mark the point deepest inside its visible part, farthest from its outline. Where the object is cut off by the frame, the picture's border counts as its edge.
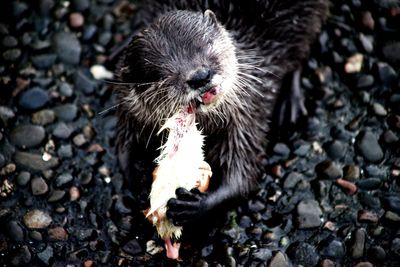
(187, 206)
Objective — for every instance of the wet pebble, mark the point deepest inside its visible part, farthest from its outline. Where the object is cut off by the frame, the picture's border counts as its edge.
(46, 255)
(22, 256)
(76, 20)
(37, 219)
(66, 89)
(354, 63)
(292, 179)
(279, 260)
(66, 112)
(365, 81)
(386, 73)
(14, 231)
(261, 254)
(369, 183)
(35, 161)
(9, 41)
(132, 248)
(391, 51)
(282, 150)
(369, 147)
(2, 160)
(56, 195)
(84, 83)
(63, 179)
(357, 248)
(392, 217)
(57, 234)
(302, 253)
(35, 235)
(377, 253)
(67, 47)
(379, 110)
(348, 187)
(23, 178)
(351, 172)
(308, 214)
(12, 54)
(80, 5)
(79, 140)
(336, 149)
(62, 130)
(332, 248)
(392, 203)
(33, 99)
(367, 216)
(43, 117)
(367, 20)
(44, 61)
(390, 137)
(65, 151)
(27, 136)
(39, 186)
(328, 170)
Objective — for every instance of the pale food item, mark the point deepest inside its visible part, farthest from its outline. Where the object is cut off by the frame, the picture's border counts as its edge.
(180, 164)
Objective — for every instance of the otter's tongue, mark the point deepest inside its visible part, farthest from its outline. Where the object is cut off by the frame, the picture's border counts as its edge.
(209, 96)
(172, 249)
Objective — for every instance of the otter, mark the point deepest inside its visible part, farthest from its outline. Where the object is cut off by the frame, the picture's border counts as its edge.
(227, 59)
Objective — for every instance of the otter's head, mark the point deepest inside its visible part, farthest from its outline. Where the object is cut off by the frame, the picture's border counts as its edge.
(183, 58)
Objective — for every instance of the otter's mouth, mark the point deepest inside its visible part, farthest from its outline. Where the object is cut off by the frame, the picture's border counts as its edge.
(208, 98)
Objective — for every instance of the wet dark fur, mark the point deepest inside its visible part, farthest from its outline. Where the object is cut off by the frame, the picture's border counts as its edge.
(273, 36)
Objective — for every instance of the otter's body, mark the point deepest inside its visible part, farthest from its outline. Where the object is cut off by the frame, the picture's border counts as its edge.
(229, 63)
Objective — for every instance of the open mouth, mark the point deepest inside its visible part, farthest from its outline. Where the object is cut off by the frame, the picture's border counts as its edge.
(208, 97)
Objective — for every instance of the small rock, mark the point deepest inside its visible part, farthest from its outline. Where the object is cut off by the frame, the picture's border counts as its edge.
(62, 131)
(23, 178)
(46, 255)
(364, 264)
(67, 47)
(36, 235)
(351, 172)
(39, 186)
(9, 41)
(14, 231)
(2, 160)
(33, 99)
(34, 161)
(391, 51)
(57, 234)
(6, 114)
(349, 187)
(369, 183)
(63, 179)
(99, 72)
(37, 219)
(84, 83)
(357, 249)
(386, 73)
(80, 5)
(365, 81)
(354, 63)
(392, 217)
(332, 248)
(279, 260)
(377, 253)
(12, 54)
(44, 61)
(369, 147)
(367, 216)
(390, 137)
(392, 203)
(43, 117)
(327, 263)
(367, 43)
(292, 179)
(66, 89)
(379, 110)
(395, 247)
(132, 248)
(79, 140)
(308, 214)
(27, 136)
(22, 256)
(66, 112)
(65, 151)
(56, 195)
(328, 170)
(281, 150)
(261, 254)
(302, 253)
(336, 149)
(367, 20)
(76, 20)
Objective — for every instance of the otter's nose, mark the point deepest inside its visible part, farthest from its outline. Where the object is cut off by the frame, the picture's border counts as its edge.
(200, 78)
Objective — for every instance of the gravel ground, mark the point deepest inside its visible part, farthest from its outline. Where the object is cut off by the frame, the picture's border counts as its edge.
(330, 195)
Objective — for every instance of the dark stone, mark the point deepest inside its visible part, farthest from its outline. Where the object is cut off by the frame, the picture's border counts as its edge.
(365, 81)
(390, 137)
(14, 231)
(56, 195)
(395, 247)
(22, 256)
(6, 115)
(302, 253)
(66, 90)
(261, 254)
(392, 203)
(39, 186)
(46, 255)
(12, 54)
(308, 214)
(65, 151)
(63, 179)
(132, 248)
(33, 99)
(369, 147)
(368, 200)
(66, 112)
(386, 73)
(336, 149)
(357, 248)
(105, 38)
(43, 117)
(89, 32)
(34, 161)
(80, 5)
(391, 51)
(84, 83)
(328, 170)
(67, 47)
(27, 136)
(292, 179)
(2, 160)
(332, 248)
(367, 43)
(62, 131)
(9, 41)
(44, 61)
(369, 183)
(281, 150)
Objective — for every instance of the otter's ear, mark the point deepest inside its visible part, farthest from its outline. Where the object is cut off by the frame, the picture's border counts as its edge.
(211, 16)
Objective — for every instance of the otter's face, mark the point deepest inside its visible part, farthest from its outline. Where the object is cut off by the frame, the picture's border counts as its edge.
(184, 58)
